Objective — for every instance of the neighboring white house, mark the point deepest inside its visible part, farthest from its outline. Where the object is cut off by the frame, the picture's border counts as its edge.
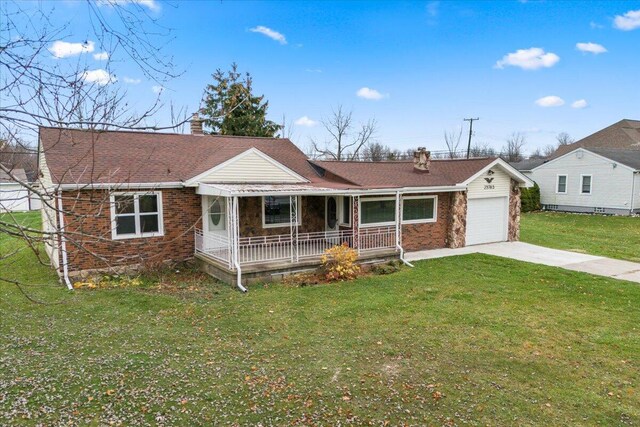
(594, 180)
(13, 196)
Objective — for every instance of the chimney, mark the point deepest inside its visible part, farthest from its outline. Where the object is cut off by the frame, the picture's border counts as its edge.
(196, 125)
(421, 160)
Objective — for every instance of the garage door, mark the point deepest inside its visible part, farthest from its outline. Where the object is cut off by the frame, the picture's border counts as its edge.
(486, 220)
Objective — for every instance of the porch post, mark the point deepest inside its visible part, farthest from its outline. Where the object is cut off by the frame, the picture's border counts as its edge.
(229, 223)
(355, 219)
(293, 227)
(236, 243)
(398, 221)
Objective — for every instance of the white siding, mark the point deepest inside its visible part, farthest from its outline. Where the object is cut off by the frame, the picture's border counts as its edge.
(610, 186)
(13, 198)
(250, 168)
(636, 190)
(498, 187)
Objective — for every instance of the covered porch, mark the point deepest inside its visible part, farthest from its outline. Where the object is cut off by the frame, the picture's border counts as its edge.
(232, 242)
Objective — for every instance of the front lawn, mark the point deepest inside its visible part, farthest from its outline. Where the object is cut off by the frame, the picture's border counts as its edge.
(609, 236)
(463, 340)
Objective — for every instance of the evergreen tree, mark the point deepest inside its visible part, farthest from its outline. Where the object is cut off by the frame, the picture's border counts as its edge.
(232, 109)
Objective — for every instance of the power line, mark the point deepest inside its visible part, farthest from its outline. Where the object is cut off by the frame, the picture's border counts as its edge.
(470, 133)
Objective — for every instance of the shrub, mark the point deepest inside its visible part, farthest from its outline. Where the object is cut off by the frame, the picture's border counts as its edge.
(530, 198)
(339, 263)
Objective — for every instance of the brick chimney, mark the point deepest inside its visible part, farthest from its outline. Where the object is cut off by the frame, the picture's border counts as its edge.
(421, 160)
(196, 125)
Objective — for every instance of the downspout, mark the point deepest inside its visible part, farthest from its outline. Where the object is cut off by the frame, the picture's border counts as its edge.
(398, 225)
(633, 191)
(63, 244)
(236, 240)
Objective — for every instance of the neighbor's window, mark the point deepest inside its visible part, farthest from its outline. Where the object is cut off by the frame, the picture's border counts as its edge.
(378, 211)
(345, 218)
(562, 184)
(419, 209)
(586, 184)
(276, 211)
(136, 215)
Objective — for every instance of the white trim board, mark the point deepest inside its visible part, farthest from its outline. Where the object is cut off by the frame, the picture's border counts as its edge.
(508, 169)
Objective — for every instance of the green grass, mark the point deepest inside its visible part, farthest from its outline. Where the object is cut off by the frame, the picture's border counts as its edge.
(609, 236)
(473, 340)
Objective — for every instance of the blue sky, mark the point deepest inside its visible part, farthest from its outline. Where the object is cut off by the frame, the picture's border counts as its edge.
(430, 64)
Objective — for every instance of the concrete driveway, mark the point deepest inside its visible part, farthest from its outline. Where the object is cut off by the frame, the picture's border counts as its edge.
(617, 269)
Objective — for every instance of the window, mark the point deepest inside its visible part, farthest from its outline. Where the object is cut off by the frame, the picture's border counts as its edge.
(276, 211)
(419, 209)
(217, 214)
(562, 184)
(585, 184)
(345, 213)
(378, 211)
(136, 215)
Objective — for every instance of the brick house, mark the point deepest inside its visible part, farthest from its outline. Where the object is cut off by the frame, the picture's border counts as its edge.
(256, 208)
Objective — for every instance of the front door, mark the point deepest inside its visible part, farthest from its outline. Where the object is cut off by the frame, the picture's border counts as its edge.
(331, 220)
(215, 223)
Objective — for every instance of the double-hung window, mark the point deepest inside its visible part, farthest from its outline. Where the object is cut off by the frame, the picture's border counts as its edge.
(345, 211)
(585, 184)
(419, 209)
(561, 186)
(136, 215)
(276, 211)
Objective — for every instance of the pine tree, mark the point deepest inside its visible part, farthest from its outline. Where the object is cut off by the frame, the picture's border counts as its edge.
(232, 109)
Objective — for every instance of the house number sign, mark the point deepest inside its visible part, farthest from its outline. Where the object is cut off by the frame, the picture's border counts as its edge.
(489, 180)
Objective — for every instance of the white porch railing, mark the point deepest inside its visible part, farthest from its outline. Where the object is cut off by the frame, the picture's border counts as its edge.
(281, 247)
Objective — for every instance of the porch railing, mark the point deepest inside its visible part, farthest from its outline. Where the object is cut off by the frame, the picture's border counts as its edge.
(281, 247)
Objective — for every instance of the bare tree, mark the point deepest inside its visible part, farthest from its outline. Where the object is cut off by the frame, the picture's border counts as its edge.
(452, 139)
(549, 150)
(536, 154)
(344, 141)
(512, 151)
(69, 93)
(564, 138)
(482, 150)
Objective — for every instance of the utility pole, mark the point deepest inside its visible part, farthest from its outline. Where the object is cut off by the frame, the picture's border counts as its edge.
(470, 133)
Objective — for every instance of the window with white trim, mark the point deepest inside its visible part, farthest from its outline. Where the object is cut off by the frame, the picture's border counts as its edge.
(345, 211)
(378, 211)
(136, 215)
(585, 184)
(276, 211)
(561, 186)
(419, 209)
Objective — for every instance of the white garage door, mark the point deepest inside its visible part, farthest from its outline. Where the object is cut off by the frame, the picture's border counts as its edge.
(486, 220)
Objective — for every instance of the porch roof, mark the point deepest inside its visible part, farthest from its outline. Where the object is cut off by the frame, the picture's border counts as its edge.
(252, 190)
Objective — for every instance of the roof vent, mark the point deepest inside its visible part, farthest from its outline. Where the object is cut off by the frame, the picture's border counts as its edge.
(196, 125)
(421, 160)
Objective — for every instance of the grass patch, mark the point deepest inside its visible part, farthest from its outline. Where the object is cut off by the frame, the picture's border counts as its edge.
(609, 236)
(463, 340)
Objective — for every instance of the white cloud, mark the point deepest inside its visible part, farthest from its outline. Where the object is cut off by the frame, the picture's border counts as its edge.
(595, 25)
(150, 4)
(272, 34)
(129, 80)
(627, 22)
(61, 49)
(550, 101)
(368, 93)
(306, 121)
(102, 56)
(529, 59)
(157, 89)
(594, 48)
(580, 103)
(100, 77)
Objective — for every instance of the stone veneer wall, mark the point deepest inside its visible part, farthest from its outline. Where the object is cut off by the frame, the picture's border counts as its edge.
(430, 235)
(312, 208)
(457, 220)
(88, 226)
(514, 212)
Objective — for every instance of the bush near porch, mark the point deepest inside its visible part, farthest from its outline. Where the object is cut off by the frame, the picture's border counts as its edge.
(603, 235)
(460, 340)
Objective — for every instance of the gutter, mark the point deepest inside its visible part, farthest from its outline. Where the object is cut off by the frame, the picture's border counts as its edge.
(236, 239)
(63, 244)
(121, 186)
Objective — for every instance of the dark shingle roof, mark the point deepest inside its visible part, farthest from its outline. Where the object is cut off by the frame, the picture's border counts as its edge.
(624, 134)
(528, 164)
